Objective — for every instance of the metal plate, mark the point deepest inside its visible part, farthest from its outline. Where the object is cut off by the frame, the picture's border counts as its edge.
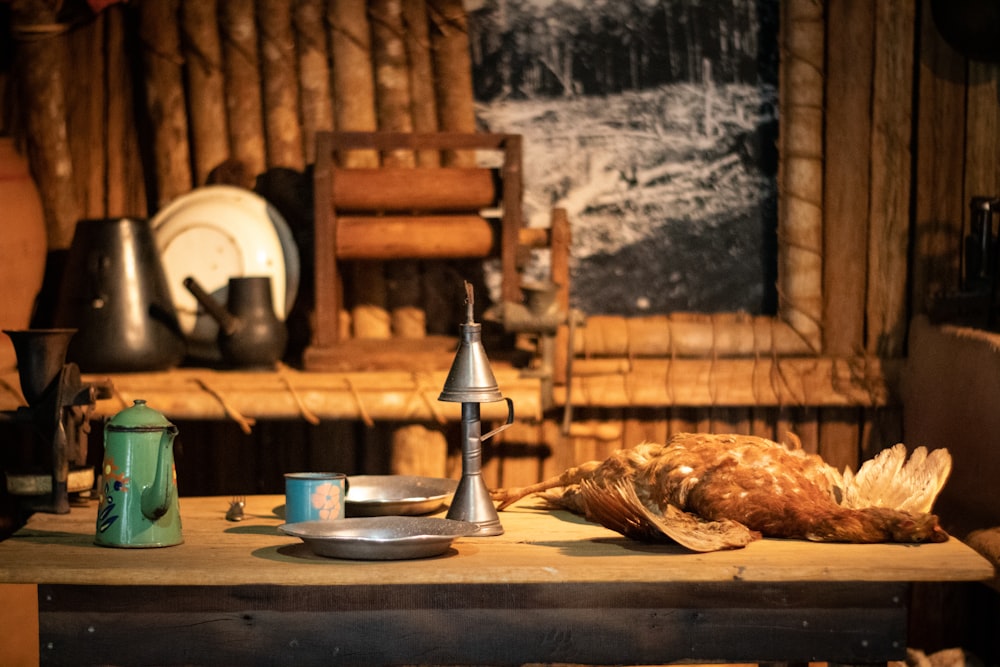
(394, 495)
(380, 538)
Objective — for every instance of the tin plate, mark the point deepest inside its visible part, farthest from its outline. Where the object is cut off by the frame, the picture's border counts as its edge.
(394, 495)
(381, 537)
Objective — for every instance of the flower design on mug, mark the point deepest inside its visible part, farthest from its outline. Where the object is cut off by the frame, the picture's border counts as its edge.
(326, 499)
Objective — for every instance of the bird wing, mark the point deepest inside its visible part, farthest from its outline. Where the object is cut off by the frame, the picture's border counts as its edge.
(891, 480)
(618, 507)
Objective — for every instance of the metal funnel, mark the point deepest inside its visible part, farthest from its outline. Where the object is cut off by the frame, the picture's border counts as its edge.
(471, 379)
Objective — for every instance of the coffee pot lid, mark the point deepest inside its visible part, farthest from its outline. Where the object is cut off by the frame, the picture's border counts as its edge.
(138, 416)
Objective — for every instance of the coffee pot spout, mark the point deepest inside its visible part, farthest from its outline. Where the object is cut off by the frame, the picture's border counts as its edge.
(229, 324)
(158, 497)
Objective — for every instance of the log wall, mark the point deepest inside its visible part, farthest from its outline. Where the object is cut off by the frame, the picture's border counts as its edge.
(908, 131)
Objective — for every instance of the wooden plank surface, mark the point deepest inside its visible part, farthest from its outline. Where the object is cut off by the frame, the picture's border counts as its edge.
(538, 547)
(847, 172)
(889, 221)
(496, 625)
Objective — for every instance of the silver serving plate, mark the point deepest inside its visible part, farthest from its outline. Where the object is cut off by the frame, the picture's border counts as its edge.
(381, 537)
(384, 495)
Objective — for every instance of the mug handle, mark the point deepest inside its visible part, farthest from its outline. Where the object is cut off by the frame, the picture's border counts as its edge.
(503, 427)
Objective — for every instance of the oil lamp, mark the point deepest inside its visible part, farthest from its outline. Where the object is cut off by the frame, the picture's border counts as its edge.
(471, 382)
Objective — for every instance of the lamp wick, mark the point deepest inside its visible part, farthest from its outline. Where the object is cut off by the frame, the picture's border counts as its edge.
(469, 301)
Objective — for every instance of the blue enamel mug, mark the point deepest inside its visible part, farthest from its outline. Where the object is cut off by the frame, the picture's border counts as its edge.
(315, 496)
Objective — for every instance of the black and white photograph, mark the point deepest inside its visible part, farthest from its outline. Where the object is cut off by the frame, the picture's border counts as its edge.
(653, 123)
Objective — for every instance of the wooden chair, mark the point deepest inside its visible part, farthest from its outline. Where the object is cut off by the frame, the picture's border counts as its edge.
(392, 213)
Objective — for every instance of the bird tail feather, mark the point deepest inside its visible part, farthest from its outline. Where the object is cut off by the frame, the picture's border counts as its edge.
(895, 481)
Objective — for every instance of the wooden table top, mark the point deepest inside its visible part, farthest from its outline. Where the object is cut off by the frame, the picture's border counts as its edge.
(538, 546)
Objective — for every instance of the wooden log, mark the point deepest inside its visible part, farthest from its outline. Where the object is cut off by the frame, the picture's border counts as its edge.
(125, 192)
(394, 237)
(314, 73)
(420, 450)
(814, 381)
(280, 85)
(392, 76)
(42, 66)
(423, 106)
(244, 107)
(353, 80)
(86, 94)
(403, 189)
(206, 86)
(354, 109)
(686, 335)
(940, 207)
(982, 131)
(165, 98)
(800, 215)
(204, 394)
(407, 318)
(369, 312)
(892, 122)
(559, 272)
(848, 173)
(452, 73)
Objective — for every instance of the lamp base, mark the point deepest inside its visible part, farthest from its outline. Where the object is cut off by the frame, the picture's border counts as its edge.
(472, 503)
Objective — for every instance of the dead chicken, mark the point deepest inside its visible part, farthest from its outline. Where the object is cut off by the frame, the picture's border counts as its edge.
(709, 492)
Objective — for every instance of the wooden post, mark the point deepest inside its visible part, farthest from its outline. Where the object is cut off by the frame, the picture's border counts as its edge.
(206, 86)
(354, 109)
(314, 73)
(393, 108)
(423, 107)
(85, 103)
(281, 102)
(165, 97)
(126, 193)
(353, 80)
(800, 215)
(940, 205)
(848, 173)
(452, 73)
(888, 244)
(243, 97)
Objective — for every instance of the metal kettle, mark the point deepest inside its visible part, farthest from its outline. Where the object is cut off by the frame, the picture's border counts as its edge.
(138, 499)
(114, 293)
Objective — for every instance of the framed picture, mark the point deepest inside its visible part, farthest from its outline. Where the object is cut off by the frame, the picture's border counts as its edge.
(663, 128)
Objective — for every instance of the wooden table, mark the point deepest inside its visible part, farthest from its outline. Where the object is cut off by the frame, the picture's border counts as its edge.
(552, 588)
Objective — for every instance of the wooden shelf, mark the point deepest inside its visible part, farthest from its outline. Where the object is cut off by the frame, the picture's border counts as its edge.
(411, 395)
(202, 393)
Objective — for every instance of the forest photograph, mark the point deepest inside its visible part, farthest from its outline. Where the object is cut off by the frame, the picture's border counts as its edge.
(653, 123)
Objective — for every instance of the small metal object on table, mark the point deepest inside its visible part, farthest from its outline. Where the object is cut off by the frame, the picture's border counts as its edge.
(235, 511)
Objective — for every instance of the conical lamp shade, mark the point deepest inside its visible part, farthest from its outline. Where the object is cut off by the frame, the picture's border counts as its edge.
(471, 379)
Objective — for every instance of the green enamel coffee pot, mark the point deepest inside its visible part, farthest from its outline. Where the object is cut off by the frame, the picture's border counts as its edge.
(138, 505)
